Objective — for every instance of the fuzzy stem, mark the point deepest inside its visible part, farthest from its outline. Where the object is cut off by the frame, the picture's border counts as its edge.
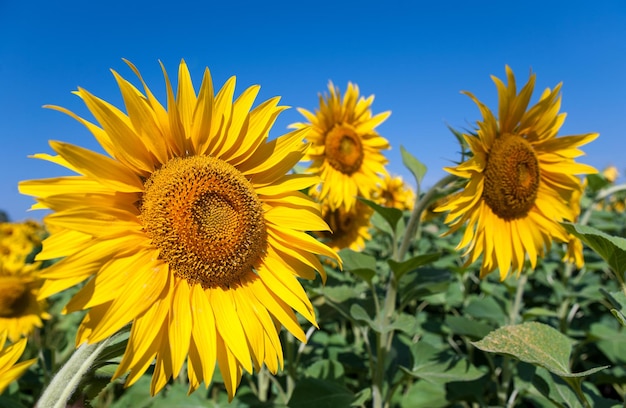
(68, 377)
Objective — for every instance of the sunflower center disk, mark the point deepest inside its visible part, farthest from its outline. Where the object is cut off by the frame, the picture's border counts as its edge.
(206, 219)
(344, 150)
(511, 177)
(13, 296)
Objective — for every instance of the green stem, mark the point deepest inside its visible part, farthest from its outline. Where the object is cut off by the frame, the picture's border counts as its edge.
(519, 296)
(68, 377)
(384, 341)
(420, 205)
(507, 362)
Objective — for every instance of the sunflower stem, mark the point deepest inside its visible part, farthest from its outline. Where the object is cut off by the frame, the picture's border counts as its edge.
(384, 341)
(420, 205)
(66, 380)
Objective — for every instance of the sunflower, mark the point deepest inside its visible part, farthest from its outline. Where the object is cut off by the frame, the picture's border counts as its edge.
(190, 228)
(393, 192)
(9, 370)
(521, 180)
(349, 228)
(20, 311)
(346, 150)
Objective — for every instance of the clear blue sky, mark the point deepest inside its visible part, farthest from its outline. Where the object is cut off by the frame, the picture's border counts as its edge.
(414, 56)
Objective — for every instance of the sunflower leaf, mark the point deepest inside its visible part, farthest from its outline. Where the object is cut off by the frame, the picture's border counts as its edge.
(391, 215)
(534, 343)
(400, 268)
(437, 366)
(611, 249)
(314, 393)
(359, 264)
(415, 166)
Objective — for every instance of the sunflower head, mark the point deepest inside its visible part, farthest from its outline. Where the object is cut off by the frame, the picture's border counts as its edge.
(346, 151)
(521, 180)
(393, 192)
(349, 228)
(20, 311)
(191, 228)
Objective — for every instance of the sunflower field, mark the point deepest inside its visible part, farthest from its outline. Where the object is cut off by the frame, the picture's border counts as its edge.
(198, 262)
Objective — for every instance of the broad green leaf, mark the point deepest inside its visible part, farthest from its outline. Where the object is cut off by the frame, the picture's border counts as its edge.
(424, 282)
(463, 326)
(415, 166)
(486, 308)
(535, 343)
(356, 260)
(561, 391)
(611, 249)
(440, 366)
(359, 313)
(358, 263)
(400, 268)
(315, 393)
(611, 342)
(406, 323)
(425, 394)
(326, 369)
(361, 397)
(391, 215)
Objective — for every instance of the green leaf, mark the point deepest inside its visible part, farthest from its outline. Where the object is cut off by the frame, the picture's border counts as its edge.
(611, 249)
(391, 215)
(618, 301)
(315, 393)
(400, 268)
(463, 326)
(486, 307)
(415, 166)
(440, 366)
(424, 394)
(358, 263)
(535, 343)
(359, 313)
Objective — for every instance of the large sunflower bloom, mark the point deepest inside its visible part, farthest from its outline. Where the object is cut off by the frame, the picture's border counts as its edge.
(521, 180)
(346, 150)
(9, 370)
(20, 310)
(189, 228)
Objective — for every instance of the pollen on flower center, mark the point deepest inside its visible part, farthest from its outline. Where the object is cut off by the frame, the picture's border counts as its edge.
(512, 177)
(13, 296)
(344, 149)
(206, 219)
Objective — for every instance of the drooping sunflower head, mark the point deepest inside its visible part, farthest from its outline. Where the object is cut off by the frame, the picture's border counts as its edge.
(191, 227)
(20, 310)
(393, 192)
(349, 228)
(346, 151)
(522, 179)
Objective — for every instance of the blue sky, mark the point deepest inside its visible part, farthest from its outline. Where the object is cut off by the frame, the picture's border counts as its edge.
(415, 57)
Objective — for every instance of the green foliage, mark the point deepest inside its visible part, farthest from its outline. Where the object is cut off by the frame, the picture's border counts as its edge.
(412, 328)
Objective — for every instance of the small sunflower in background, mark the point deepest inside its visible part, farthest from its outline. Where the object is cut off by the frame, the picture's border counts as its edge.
(189, 227)
(346, 151)
(20, 310)
(521, 180)
(611, 174)
(393, 192)
(349, 228)
(10, 369)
